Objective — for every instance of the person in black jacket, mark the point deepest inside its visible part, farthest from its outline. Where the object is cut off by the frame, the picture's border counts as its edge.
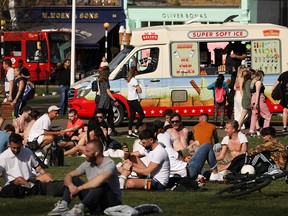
(64, 85)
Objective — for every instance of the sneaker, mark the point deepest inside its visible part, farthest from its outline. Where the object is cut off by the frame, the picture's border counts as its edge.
(59, 209)
(226, 174)
(216, 177)
(252, 134)
(273, 170)
(109, 131)
(132, 135)
(75, 211)
(284, 129)
(114, 133)
(136, 134)
(39, 154)
(201, 180)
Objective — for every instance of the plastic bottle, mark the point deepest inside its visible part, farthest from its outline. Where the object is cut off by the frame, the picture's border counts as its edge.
(148, 182)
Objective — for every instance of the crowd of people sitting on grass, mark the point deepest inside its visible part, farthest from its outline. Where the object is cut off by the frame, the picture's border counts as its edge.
(163, 152)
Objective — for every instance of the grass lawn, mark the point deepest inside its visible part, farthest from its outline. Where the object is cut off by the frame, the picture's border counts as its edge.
(272, 200)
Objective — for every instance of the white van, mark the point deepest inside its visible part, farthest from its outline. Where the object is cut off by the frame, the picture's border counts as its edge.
(177, 63)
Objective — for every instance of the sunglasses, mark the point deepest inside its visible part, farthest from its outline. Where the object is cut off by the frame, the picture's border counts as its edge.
(175, 122)
(100, 117)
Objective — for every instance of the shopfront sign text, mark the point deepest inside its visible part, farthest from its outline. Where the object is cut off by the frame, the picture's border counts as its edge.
(183, 15)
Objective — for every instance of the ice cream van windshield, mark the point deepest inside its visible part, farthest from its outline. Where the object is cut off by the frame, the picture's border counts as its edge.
(114, 63)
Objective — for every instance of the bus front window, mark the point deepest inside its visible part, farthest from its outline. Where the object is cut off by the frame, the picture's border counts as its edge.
(36, 51)
(60, 44)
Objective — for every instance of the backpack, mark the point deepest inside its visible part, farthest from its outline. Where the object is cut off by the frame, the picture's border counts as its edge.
(29, 93)
(185, 184)
(220, 94)
(57, 156)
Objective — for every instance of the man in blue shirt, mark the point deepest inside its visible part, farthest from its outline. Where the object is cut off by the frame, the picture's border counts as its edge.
(4, 136)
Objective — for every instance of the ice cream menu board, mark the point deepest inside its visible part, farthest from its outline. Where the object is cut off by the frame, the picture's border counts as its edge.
(185, 59)
(266, 56)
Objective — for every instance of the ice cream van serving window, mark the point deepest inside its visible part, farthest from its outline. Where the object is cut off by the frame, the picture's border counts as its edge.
(211, 58)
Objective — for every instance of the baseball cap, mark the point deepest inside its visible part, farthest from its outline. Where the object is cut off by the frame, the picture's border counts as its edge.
(53, 108)
(158, 123)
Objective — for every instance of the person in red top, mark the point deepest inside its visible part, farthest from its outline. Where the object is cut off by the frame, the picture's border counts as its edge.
(203, 132)
(71, 131)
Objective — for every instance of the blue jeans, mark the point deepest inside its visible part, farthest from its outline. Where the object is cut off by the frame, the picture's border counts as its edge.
(196, 163)
(63, 91)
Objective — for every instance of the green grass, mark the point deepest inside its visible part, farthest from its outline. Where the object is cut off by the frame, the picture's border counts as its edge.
(272, 200)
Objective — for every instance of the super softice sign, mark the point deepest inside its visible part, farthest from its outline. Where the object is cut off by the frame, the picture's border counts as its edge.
(218, 34)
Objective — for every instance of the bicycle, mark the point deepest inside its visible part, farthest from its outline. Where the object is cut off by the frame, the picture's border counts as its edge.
(249, 185)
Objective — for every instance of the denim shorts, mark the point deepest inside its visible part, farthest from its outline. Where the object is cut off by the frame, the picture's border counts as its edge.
(155, 185)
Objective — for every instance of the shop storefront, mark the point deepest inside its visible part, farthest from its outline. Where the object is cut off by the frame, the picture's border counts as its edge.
(201, 11)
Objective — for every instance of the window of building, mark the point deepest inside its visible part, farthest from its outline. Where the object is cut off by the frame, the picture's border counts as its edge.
(156, 23)
(144, 24)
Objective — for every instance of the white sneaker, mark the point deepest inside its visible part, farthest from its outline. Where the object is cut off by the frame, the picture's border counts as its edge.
(75, 211)
(216, 177)
(60, 209)
(39, 154)
(225, 172)
(109, 131)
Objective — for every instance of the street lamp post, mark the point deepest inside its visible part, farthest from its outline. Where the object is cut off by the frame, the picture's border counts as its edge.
(3, 23)
(106, 25)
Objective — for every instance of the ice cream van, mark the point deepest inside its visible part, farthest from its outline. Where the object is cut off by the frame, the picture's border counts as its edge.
(177, 63)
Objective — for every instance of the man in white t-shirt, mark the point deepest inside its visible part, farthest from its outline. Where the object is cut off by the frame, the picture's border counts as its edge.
(41, 129)
(235, 142)
(7, 65)
(158, 168)
(16, 164)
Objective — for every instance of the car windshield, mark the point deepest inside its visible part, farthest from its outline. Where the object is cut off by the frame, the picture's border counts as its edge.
(114, 63)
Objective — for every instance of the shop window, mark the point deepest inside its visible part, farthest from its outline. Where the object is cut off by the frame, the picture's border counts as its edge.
(144, 24)
(156, 23)
(213, 58)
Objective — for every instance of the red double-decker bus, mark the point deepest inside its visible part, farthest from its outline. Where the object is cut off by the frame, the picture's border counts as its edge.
(40, 51)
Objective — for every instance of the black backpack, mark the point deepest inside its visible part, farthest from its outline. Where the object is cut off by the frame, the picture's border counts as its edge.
(186, 184)
(56, 156)
(95, 86)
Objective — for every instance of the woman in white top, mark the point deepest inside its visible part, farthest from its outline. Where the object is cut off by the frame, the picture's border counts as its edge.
(133, 102)
(103, 63)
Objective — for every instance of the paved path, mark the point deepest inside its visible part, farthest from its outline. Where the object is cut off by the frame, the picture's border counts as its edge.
(45, 102)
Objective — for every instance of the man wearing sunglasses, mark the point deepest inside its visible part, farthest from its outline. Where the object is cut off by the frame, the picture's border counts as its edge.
(178, 132)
